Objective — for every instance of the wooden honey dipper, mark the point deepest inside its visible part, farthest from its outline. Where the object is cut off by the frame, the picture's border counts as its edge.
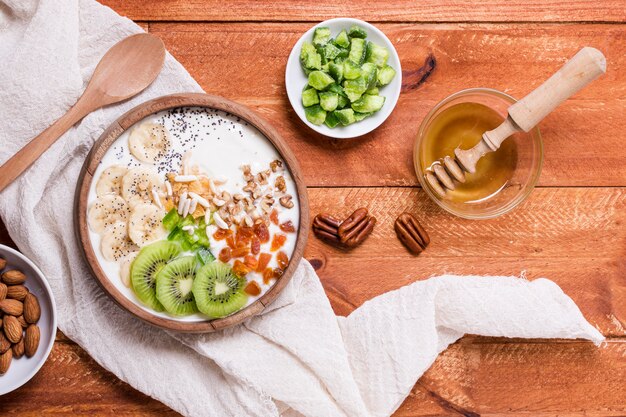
(587, 65)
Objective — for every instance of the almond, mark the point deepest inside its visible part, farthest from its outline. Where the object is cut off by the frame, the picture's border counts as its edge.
(13, 277)
(31, 340)
(22, 321)
(12, 307)
(32, 311)
(4, 343)
(17, 292)
(12, 329)
(3, 291)
(3, 263)
(18, 349)
(5, 361)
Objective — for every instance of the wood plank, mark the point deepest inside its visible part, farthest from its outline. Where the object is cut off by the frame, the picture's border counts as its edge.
(475, 376)
(391, 10)
(573, 236)
(513, 58)
(482, 377)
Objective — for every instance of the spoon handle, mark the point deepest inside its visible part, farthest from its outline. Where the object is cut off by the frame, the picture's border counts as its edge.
(19, 162)
(587, 65)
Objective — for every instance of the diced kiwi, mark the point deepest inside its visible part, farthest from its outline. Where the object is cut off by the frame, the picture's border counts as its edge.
(331, 51)
(321, 36)
(205, 256)
(369, 72)
(351, 71)
(309, 58)
(360, 116)
(329, 100)
(357, 51)
(385, 75)
(320, 80)
(173, 286)
(171, 219)
(336, 88)
(336, 71)
(148, 263)
(218, 291)
(345, 116)
(342, 40)
(373, 91)
(354, 89)
(331, 119)
(376, 54)
(357, 32)
(315, 114)
(368, 104)
(342, 102)
(309, 97)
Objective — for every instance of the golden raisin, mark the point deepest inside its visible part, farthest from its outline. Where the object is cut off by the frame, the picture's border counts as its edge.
(222, 234)
(268, 274)
(239, 268)
(278, 241)
(262, 232)
(253, 288)
(225, 255)
(264, 259)
(251, 262)
(288, 227)
(282, 260)
(274, 217)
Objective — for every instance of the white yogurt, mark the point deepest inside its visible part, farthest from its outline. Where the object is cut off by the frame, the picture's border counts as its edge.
(220, 144)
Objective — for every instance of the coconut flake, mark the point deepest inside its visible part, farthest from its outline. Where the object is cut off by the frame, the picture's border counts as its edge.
(199, 199)
(219, 222)
(186, 207)
(185, 178)
(168, 188)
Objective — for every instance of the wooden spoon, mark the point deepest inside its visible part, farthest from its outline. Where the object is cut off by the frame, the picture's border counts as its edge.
(587, 65)
(124, 71)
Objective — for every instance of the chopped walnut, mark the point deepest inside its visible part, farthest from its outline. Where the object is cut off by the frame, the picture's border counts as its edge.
(281, 184)
(275, 165)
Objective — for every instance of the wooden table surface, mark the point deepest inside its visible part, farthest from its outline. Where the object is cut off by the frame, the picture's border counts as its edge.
(571, 230)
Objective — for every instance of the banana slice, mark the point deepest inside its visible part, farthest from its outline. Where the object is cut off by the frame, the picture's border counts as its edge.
(115, 243)
(137, 186)
(110, 181)
(125, 268)
(149, 142)
(107, 210)
(145, 224)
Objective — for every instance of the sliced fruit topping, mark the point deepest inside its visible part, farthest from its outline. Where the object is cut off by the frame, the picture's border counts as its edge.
(145, 224)
(105, 211)
(174, 283)
(110, 181)
(115, 243)
(146, 266)
(137, 186)
(218, 291)
(149, 142)
(278, 241)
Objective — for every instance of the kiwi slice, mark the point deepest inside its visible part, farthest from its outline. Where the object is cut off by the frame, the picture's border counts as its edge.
(173, 286)
(218, 291)
(150, 260)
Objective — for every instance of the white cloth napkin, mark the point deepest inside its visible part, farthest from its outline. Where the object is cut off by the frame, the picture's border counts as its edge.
(297, 358)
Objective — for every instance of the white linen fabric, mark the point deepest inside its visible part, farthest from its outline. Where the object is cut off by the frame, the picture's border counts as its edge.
(296, 359)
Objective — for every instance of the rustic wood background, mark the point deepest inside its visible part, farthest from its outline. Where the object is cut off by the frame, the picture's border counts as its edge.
(571, 230)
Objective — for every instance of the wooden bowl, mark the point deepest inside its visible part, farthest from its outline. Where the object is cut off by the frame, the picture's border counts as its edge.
(108, 138)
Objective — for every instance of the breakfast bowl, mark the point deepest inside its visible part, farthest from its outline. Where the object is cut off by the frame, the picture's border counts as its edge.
(503, 179)
(23, 369)
(296, 79)
(192, 212)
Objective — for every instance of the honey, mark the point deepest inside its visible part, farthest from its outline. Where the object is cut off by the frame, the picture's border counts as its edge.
(462, 125)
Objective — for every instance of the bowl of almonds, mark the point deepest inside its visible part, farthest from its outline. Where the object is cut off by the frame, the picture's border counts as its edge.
(27, 319)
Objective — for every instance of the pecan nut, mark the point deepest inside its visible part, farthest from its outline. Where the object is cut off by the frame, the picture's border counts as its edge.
(326, 227)
(356, 228)
(359, 233)
(411, 233)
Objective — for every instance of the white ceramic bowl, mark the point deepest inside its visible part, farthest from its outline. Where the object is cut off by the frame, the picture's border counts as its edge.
(23, 369)
(295, 80)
